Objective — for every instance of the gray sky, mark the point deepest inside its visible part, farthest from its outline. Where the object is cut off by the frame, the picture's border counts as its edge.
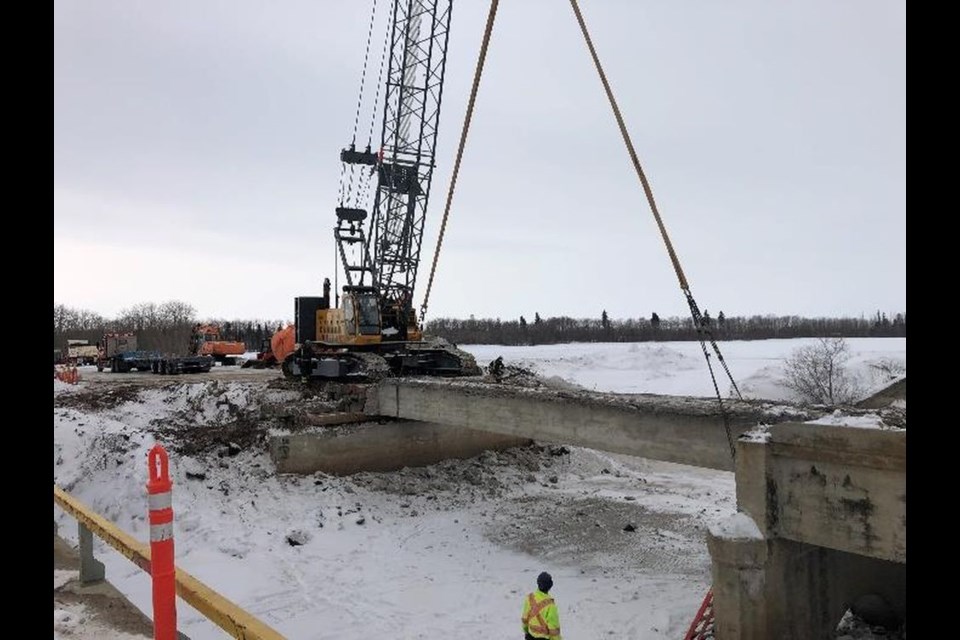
(196, 156)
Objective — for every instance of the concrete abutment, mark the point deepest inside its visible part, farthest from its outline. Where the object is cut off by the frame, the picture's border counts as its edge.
(381, 446)
(821, 526)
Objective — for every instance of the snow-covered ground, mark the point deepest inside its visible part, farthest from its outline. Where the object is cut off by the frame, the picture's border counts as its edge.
(679, 368)
(442, 551)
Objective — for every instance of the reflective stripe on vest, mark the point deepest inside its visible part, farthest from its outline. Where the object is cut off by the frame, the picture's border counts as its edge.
(536, 610)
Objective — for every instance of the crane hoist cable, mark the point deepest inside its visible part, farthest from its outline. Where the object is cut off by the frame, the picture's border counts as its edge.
(367, 182)
(703, 333)
(376, 95)
(491, 16)
(346, 183)
(363, 74)
(368, 185)
(365, 186)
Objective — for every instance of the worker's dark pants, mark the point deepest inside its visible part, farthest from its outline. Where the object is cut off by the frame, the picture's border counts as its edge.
(527, 636)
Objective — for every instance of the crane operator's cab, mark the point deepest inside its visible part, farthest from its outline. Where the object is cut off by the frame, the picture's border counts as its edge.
(356, 321)
(361, 319)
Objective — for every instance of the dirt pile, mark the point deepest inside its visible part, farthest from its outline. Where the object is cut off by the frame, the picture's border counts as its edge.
(96, 398)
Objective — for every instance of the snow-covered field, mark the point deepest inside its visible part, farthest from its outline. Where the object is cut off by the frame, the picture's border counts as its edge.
(442, 551)
(679, 368)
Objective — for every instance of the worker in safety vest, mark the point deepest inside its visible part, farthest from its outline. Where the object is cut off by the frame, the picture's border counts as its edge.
(540, 618)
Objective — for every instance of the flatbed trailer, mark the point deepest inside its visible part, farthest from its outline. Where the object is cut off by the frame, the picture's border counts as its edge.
(173, 365)
(119, 353)
(127, 361)
(157, 363)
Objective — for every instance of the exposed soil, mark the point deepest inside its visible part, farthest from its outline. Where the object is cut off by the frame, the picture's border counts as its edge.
(98, 397)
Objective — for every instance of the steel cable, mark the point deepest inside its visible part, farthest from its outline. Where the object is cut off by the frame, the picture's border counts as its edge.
(684, 286)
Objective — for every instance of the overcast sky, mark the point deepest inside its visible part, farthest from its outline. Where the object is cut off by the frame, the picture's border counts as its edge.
(196, 156)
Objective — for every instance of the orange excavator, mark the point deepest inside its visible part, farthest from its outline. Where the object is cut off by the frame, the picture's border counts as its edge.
(207, 341)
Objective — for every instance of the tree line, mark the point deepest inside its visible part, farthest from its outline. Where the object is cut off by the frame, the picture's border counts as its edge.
(164, 327)
(604, 329)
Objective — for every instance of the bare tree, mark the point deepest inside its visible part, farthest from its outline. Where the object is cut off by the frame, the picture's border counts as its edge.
(173, 326)
(889, 369)
(817, 373)
(176, 313)
(139, 317)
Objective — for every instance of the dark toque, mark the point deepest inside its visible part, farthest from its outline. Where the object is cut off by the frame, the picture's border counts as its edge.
(544, 582)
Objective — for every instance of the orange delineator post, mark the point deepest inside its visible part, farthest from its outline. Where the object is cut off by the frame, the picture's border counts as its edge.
(162, 567)
(70, 375)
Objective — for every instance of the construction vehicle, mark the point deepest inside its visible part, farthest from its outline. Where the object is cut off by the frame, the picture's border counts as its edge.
(207, 341)
(81, 352)
(119, 353)
(173, 365)
(264, 359)
(370, 329)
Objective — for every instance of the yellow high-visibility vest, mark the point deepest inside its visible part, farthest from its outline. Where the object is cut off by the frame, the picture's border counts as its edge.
(540, 618)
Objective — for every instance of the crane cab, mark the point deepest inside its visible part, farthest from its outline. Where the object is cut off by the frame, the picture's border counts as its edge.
(356, 321)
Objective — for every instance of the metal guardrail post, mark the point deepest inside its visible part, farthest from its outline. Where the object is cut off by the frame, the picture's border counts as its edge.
(91, 569)
(219, 610)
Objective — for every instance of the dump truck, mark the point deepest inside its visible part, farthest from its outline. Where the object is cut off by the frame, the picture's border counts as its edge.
(81, 352)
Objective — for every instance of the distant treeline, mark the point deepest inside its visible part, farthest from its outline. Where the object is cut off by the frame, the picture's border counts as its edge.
(162, 327)
(166, 327)
(604, 329)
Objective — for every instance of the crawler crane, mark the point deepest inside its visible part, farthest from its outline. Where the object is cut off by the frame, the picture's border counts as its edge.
(370, 328)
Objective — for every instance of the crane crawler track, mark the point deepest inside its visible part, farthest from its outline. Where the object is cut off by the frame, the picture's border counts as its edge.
(431, 358)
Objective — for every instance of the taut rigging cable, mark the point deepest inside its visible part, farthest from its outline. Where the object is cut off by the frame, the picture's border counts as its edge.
(703, 332)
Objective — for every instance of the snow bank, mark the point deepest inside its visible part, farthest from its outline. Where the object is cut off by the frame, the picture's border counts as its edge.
(739, 526)
(841, 419)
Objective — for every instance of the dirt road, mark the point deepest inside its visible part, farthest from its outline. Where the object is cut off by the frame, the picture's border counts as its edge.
(227, 374)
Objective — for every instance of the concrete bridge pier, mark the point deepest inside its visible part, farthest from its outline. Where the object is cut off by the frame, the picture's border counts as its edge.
(781, 589)
(821, 528)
